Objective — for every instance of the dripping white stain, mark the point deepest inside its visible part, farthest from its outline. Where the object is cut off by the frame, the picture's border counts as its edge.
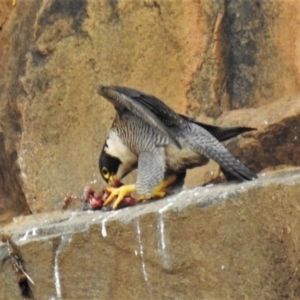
(165, 208)
(73, 214)
(63, 241)
(56, 277)
(97, 218)
(28, 233)
(161, 232)
(161, 227)
(141, 250)
(56, 271)
(103, 230)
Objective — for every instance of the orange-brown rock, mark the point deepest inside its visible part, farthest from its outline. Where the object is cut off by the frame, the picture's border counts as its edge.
(12, 198)
(199, 57)
(233, 62)
(234, 241)
(276, 142)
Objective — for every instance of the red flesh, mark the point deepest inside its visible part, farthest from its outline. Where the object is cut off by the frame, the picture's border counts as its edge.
(96, 201)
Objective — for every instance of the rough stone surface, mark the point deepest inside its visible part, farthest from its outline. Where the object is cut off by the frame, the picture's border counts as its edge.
(12, 198)
(67, 49)
(233, 62)
(250, 57)
(202, 58)
(227, 241)
(276, 142)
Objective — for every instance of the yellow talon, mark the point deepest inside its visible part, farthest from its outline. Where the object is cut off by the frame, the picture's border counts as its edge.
(120, 193)
(141, 198)
(158, 192)
(13, 2)
(126, 190)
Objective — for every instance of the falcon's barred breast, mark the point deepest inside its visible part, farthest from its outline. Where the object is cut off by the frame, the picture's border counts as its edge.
(148, 135)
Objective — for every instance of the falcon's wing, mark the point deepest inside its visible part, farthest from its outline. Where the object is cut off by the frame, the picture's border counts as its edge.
(152, 110)
(220, 133)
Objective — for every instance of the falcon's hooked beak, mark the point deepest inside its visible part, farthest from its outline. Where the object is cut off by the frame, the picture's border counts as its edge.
(114, 181)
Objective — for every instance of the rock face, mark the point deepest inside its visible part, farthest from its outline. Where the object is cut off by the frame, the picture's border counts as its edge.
(233, 62)
(202, 58)
(228, 241)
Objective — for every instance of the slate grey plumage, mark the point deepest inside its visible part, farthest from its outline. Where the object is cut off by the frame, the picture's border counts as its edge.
(163, 143)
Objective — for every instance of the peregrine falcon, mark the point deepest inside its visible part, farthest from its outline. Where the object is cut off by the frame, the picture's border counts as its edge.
(148, 135)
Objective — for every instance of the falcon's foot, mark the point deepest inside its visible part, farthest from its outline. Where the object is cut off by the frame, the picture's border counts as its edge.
(159, 191)
(120, 193)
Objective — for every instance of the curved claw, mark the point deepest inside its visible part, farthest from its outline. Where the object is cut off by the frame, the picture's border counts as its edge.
(159, 192)
(120, 193)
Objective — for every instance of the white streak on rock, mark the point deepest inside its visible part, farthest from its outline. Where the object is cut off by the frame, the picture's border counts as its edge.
(56, 269)
(162, 233)
(165, 207)
(141, 250)
(161, 241)
(97, 218)
(65, 239)
(56, 278)
(103, 230)
(27, 234)
(73, 214)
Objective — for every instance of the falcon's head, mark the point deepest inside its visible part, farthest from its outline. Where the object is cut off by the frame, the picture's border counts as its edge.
(116, 160)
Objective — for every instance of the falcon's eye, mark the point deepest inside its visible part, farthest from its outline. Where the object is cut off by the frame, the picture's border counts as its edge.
(105, 173)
